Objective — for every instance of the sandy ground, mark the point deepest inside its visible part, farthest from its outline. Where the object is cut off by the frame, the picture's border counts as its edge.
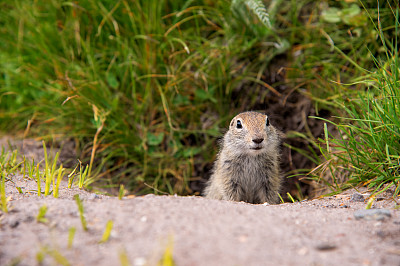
(201, 231)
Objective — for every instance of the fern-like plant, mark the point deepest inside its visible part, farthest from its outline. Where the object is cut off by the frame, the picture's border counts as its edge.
(258, 8)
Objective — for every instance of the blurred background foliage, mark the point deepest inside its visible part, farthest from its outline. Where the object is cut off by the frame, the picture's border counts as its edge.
(148, 86)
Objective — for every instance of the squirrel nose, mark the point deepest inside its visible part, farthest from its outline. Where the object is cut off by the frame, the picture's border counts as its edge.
(258, 141)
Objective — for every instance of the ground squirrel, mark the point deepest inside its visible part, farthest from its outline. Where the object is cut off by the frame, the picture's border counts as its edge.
(247, 165)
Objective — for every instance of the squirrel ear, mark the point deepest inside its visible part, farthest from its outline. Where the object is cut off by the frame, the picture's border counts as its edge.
(267, 122)
(232, 122)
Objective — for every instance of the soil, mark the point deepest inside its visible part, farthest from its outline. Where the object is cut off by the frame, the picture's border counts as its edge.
(200, 231)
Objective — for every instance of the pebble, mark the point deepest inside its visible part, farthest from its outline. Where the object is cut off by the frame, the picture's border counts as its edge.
(14, 223)
(372, 214)
(326, 246)
(94, 196)
(357, 197)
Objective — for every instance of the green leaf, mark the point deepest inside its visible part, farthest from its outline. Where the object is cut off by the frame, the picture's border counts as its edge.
(191, 151)
(351, 11)
(353, 16)
(204, 95)
(331, 15)
(154, 140)
(112, 81)
(181, 100)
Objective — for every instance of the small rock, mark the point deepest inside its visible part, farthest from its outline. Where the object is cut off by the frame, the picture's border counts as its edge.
(303, 251)
(94, 196)
(372, 214)
(357, 197)
(139, 261)
(381, 234)
(29, 218)
(14, 223)
(326, 247)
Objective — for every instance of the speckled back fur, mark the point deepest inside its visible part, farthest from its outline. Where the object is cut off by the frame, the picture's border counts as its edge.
(247, 166)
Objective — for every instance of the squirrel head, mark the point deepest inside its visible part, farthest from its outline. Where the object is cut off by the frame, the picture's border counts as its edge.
(251, 133)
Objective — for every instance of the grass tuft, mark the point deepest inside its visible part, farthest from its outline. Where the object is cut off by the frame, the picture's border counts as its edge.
(3, 197)
(143, 86)
(368, 148)
(56, 183)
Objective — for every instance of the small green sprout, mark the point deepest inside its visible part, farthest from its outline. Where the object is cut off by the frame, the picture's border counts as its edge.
(290, 197)
(40, 257)
(370, 202)
(123, 258)
(60, 176)
(71, 235)
(83, 174)
(31, 169)
(49, 170)
(121, 193)
(4, 199)
(71, 177)
(39, 190)
(81, 214)
(280, 197)
(24, 169)
(55, 254)
(167, 258)
(42, 212)
(107, 232)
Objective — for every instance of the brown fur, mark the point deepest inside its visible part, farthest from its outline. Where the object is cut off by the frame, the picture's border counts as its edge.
(246, 170)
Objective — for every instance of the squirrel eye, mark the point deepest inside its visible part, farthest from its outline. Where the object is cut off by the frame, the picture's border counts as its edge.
(267, 122)
(239, 124)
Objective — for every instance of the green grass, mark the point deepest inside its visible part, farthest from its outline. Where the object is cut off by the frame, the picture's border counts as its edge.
(123, 258)
(57, 182)
(167, 257)
(3, 197)
(81, 212)
(121, 192)
(132, 80)
(41, 215)
(71, 236)
(58, 258)
(368, 148)
(38, 180)
(107, 232)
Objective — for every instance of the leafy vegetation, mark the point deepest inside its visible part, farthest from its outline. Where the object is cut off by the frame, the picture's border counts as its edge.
(367, 151)
(146, 86)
